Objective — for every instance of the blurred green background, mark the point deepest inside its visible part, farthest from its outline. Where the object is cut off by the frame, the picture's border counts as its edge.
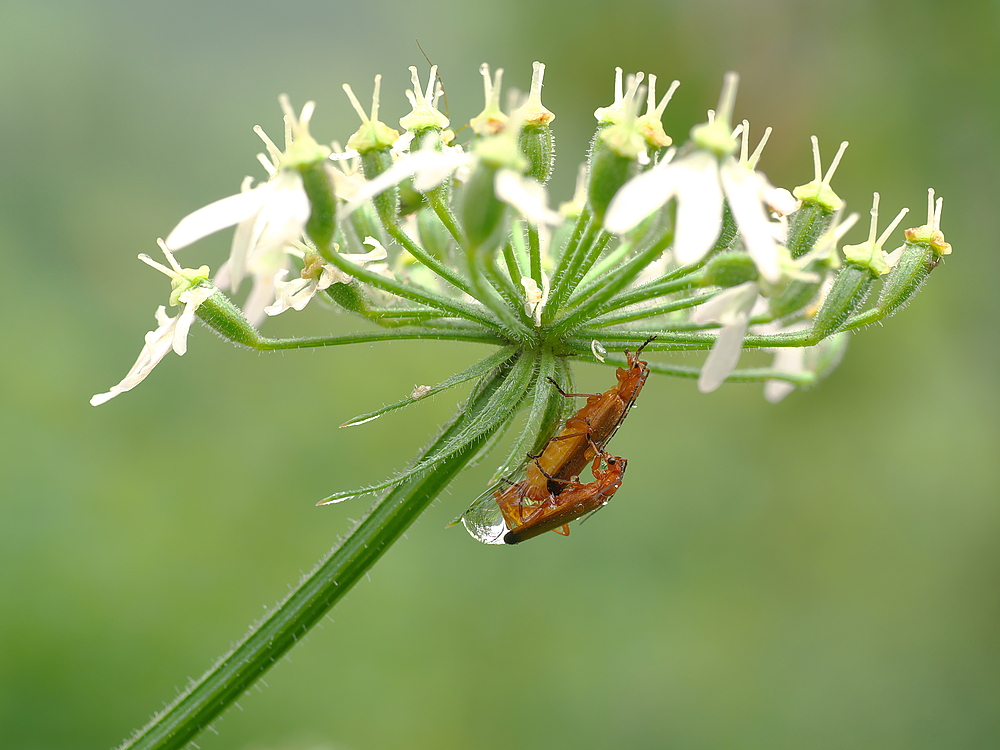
(823, 573)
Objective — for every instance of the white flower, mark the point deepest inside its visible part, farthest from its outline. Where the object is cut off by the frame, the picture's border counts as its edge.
(701, 180)
(790, 359)
(534, 298)
(812, 360)
(732, 309)
(269, 217)
(527, 195)
(428, 167)
(315, 277)
(190, 288)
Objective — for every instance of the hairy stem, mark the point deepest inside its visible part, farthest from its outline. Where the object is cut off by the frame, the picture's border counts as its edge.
(333, 577)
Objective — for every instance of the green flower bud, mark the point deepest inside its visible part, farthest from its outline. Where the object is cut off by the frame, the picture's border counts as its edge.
(318, 185)
(434, 237)
(796, 295)
(424, 115)
(536, 140)
(819, 205)
(849, 291)
(806, 226)
(374, 163)
(349, 296)
(613, 162)
(220, 314)
(921, 254)
(482, 212)
(538, 146)
(730, 269)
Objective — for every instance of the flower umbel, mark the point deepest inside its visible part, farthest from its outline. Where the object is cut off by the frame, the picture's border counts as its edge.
(665, 247)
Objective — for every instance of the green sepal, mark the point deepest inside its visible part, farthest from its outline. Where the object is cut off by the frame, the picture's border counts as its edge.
(806, 226)
(729, 269)
(220, 314)
(849, 291)
(907, 276)
(537, 144)
(322, 224)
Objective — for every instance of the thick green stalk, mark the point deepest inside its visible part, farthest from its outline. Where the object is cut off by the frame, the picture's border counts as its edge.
(385, 522)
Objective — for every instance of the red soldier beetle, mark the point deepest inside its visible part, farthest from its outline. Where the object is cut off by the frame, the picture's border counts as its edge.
(551, 493)
(589, 430)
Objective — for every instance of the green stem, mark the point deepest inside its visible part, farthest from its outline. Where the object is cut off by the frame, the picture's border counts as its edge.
(413, 293)
(744, 375)
(652, 311)
(385, 522)
(429, 260)
(535, 255)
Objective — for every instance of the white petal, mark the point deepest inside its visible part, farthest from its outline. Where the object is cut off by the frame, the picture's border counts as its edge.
(699, 206)
(728, 306)
(786, 359)
(434, 163)
(157, 344)
(192, 300)
(285, 213)
(526, 195)
(215, 216)
(745, 189)
(638, 198)
(724, 356)
(732, 308)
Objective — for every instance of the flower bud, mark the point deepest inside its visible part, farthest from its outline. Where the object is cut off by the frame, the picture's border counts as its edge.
(536, 140)
(482, 212)
(796, 295)
(864, 263)
(617, 147)
(730, 269)
(609, 170)
(819, 204)
(849, 291)
(434, 237)
(924, 248)
(220, 314)
(322, 223)
(374, 163)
